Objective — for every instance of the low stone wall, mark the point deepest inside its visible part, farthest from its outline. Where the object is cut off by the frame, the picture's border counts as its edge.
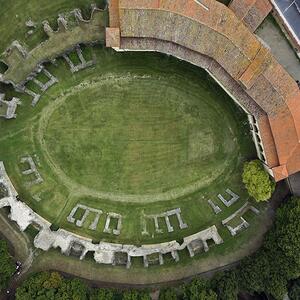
(104, 253)
(23, 64)
(11, 107)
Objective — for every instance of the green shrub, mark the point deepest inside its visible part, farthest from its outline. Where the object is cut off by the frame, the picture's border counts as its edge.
(226, 285)
(199, 289)
(278, 261)
(101, 294)
(294, 292)
(51, 286)
(257, 181)
(7, 265)
(168, 294)
(130, 295)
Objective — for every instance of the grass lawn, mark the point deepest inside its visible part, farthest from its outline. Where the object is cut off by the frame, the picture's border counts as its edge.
(18, 12)
(137, 134)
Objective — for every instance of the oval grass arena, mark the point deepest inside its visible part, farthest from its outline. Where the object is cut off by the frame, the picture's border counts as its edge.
(137, 134)
(141, 135)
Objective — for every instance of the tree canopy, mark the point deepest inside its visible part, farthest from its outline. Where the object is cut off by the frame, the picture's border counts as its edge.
(168, 294)
(199, 289)
(226, 285)
(294, 292)
(257, 181)
(7, 265)
(51, 286)
(278, 261)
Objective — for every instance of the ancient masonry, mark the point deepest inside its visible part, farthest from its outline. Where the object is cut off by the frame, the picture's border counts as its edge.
(231, 54)
(227, 203)
(166, 215)
(97, 212)
(83, 63)
(11, 107)
(24, 66)
(43, 86)
(87, 210)
(105, 253)
(31, 170)
(107, 228)
(239, 214)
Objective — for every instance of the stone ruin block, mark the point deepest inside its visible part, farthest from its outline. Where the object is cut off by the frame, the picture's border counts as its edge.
(87, 211)
(239, 214)
(153, 259)
(31, 170)
(166, 215)
(231, 201)
(43, 86)
(197, 242)
(36, 97)
(11, 107)
(215, 207)
(175, 255)
(196, 247)
(121, 259)
(83, 63)
(78, 250)
(107, 228)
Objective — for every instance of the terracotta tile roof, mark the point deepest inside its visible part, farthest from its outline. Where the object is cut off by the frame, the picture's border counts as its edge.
(112, 37)
(258, 65)
(213, 30)
(251, 12)
(114, 13)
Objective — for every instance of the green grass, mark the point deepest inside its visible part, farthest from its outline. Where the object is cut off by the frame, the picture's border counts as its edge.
(146, 134)
(138, 133)
(18, 12)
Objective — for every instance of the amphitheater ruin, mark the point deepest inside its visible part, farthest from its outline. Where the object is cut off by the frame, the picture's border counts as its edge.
(254, 79)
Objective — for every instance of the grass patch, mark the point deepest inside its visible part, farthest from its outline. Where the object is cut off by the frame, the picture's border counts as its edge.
(146, 134)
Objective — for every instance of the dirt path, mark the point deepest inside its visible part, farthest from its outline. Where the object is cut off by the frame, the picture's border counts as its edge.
(22, 250)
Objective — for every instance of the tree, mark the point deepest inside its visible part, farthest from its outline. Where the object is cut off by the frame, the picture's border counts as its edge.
(278, 261)
(130, 295)
(225, 284)
(101, 294)
(257, 181)
(51, 286)
(168, 294)
(294, 292)
(145, 296)
(198, 289)
(7, 265)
